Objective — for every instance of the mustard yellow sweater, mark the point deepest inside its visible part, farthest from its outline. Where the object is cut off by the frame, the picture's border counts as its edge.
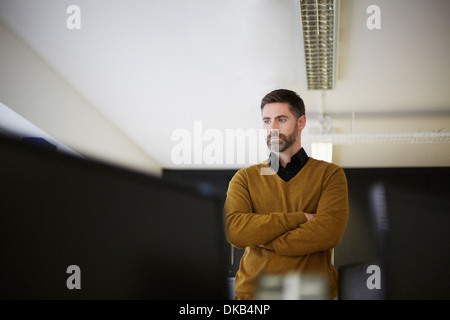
(264, 209)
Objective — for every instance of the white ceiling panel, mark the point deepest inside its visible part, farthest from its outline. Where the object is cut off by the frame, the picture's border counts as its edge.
(152, 66)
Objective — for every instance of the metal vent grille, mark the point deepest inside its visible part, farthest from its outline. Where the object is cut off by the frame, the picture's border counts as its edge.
(319, 23)
(379, 138)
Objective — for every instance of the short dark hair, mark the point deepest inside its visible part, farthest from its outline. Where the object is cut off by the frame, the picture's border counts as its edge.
(296, 104)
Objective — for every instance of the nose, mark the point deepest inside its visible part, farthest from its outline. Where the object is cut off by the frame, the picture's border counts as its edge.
(274, 132)
(273, 126)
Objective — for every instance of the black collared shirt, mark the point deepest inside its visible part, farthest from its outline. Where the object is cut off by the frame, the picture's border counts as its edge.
(297, 162)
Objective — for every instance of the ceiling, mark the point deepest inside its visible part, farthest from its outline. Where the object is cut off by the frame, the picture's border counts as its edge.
(152, 67)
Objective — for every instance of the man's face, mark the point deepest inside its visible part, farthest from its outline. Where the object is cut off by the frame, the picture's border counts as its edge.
(282, 127)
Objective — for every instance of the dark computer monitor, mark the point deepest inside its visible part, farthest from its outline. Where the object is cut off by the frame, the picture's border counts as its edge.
(414, 242)
(132, 236)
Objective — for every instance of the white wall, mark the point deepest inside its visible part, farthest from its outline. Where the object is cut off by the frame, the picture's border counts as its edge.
(32, 89)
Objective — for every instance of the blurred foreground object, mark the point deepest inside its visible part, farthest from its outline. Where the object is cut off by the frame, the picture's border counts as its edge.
(292, 286)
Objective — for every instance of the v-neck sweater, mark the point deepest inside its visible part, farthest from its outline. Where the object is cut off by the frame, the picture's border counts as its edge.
(263, 209)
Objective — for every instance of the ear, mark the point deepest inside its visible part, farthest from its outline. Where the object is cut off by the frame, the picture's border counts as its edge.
(301, 123)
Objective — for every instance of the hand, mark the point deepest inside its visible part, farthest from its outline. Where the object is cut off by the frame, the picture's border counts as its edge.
(310, 216)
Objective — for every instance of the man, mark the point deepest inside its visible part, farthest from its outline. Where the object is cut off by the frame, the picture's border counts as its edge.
(291, 219)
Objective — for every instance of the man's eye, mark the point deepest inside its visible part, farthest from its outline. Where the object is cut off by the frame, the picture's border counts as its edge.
(266, 121)
(282, 120)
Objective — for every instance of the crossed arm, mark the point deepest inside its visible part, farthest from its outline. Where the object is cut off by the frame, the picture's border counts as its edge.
(309, 217)
(288, 233)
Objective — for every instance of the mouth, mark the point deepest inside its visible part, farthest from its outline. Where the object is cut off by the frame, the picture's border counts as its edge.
(276, 138)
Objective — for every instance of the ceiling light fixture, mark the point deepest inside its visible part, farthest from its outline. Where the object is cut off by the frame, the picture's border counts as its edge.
(320, 36)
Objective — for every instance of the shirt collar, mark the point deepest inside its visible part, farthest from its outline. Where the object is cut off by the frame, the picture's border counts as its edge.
(299, 158)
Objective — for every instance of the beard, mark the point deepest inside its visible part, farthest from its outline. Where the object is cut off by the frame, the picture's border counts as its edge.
(284, 141)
